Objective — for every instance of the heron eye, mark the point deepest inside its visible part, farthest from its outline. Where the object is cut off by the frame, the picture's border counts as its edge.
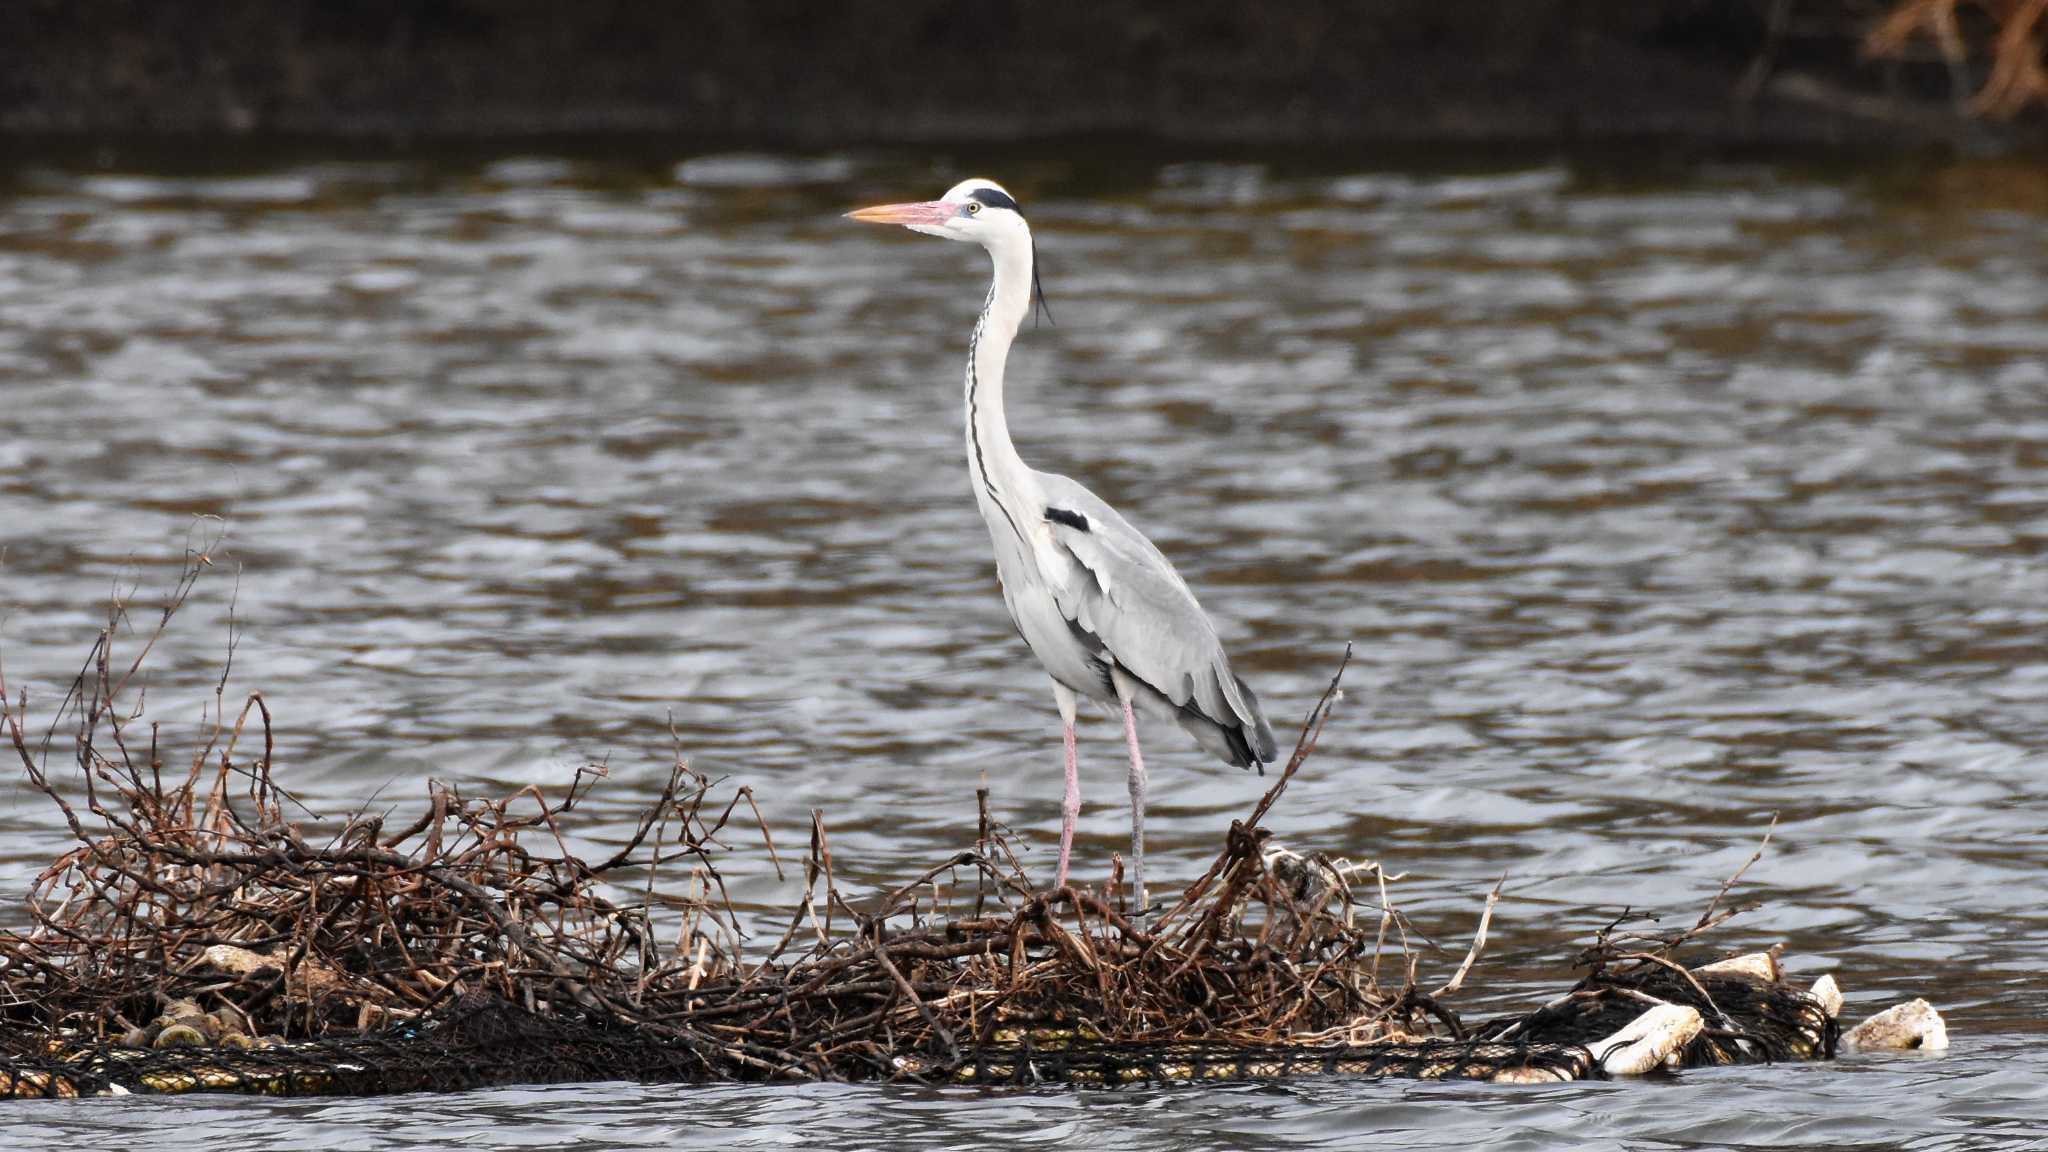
(973, 208)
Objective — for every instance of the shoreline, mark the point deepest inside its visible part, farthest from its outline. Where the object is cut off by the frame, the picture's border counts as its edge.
(1542, 73)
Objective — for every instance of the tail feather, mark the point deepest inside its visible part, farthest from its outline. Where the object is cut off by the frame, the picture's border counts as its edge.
(1241, 745)
(1261, 743)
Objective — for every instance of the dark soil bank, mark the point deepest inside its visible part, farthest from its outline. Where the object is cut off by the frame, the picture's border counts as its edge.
(794, 71)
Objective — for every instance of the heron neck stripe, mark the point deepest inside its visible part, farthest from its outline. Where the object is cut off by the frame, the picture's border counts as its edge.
(974, 424)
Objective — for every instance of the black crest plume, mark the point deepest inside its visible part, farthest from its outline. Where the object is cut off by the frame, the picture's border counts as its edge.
(997, 198)
(1038, 286)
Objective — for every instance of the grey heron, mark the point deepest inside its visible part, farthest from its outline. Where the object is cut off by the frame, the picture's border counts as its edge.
(1099, 605)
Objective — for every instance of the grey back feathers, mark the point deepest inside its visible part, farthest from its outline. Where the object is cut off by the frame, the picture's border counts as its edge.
(1142, 615)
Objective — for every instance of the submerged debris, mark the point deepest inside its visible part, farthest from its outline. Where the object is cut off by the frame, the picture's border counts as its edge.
(199, 936)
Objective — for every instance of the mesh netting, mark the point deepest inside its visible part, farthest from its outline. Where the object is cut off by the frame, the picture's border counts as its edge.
(477, 1043)
(481, 1041)
(432, 1062)
(1108, 1065)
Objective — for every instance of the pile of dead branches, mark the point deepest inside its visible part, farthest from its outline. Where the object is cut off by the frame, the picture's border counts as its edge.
(200, 905)
(199, 883)
(203, 890)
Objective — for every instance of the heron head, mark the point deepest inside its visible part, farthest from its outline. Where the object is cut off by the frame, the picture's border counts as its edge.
(977, 210)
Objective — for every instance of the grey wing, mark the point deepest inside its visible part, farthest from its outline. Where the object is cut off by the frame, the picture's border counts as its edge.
(1127, 598)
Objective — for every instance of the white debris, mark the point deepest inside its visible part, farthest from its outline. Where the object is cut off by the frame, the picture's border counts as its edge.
(1829, 995)
(1644, 1043)
(1762, 965)
(1901, 1027)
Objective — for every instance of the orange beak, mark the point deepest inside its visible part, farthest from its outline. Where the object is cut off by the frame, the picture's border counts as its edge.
(931, 212)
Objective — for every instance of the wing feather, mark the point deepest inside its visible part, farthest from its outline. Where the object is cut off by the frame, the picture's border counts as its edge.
(1126, 594)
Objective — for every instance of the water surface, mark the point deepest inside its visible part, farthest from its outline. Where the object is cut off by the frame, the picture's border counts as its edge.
(1653, 507)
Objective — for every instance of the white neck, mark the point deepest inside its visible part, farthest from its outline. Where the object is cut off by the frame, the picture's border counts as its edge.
(999, 474)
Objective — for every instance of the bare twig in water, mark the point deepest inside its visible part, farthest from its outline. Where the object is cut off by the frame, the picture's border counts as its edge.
(1707, 917)
(1478, 942)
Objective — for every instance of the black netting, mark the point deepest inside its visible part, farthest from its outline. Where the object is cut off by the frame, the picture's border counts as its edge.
(1113, 1064)
(1747, 1020)
(479, 1042)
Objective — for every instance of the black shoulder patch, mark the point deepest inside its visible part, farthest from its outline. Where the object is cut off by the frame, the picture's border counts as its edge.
(1090, 641)
(993, 197)
(1071, 519)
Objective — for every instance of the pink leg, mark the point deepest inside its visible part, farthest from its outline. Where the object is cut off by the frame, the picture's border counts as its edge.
(1070, 805)
(1137, 801)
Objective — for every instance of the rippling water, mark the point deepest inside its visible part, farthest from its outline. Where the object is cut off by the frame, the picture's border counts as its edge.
(1653, 507)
